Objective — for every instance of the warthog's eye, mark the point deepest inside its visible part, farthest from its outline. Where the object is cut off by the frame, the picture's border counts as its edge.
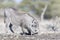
(35, 22)
(21, 24)
(34, 25)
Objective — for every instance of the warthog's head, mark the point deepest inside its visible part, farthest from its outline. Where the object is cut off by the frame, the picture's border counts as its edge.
(34, 27)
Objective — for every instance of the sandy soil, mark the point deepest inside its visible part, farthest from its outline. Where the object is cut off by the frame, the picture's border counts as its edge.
(2, 26)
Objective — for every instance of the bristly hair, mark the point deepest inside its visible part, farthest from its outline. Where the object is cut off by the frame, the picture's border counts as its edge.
(15, 9)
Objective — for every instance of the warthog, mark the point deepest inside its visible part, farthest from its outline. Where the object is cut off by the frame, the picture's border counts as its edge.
(28, 24)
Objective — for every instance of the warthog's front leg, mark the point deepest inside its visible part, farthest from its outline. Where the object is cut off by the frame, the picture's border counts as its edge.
(10, 26)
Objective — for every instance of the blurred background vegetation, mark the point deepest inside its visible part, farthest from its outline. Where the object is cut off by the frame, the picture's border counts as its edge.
(34, 7)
